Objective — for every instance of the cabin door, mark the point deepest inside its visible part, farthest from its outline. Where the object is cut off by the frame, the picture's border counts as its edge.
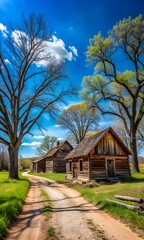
(110, 168)
(75, 173)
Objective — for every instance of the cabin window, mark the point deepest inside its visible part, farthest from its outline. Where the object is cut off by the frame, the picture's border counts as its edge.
(81, 164)
(70, 165)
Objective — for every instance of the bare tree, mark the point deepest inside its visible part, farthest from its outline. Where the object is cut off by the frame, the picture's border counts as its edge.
(30, 83)
(119, 128)
(78, 119)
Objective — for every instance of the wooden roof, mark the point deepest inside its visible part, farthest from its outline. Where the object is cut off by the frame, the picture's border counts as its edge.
(52, 151)
(90, 142)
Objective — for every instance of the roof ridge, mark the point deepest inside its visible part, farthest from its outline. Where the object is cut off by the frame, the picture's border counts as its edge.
(99, 132)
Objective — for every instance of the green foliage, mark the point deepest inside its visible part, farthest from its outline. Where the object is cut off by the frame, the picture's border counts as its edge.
(130, 29)
(12, 194)
(25, 163)
(99, 46)
(122, 91)
(46, 145)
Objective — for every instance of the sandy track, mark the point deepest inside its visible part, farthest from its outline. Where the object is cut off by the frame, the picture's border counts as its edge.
(73, 217)
(30, 224)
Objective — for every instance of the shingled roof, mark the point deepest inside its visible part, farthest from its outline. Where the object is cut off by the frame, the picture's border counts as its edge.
(52, 151)
(88, 143)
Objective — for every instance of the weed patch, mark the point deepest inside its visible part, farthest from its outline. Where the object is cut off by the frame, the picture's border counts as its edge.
(52, 234)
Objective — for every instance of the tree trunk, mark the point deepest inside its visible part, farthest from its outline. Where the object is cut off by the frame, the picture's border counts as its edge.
(133, 146)
(13, 162)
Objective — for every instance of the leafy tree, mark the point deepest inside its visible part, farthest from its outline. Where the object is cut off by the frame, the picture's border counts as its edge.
(115, 92)
(25, 163)
(46, 145)
(29, 77)
(78, 119)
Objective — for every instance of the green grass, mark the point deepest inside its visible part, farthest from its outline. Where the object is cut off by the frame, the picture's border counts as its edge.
(52, 234)
(133, 187)
(12, 194)
(59, 177)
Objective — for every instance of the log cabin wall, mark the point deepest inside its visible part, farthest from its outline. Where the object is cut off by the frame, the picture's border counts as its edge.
(75, 168)
(108, 146)
(41, 166)
(106, 157)
(49, 164)
(122, 167)
(59, 163)
(99, 166)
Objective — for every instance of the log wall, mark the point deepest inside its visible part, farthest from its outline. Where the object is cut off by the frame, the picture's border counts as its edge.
(76, 169)
(122, 167)
(40, 166)
(57, 163)
(109, 148)
(109, 145)
(49, 164)
(98, 168)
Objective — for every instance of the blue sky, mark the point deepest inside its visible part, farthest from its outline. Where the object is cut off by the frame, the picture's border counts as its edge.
(74, 22)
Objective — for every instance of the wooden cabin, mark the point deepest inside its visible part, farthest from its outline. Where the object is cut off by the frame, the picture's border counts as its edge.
(53, 161)
(99, 157)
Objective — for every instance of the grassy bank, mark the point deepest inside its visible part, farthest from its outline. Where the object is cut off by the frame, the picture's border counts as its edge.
(133, 186)
(59, 177)
(12, 194)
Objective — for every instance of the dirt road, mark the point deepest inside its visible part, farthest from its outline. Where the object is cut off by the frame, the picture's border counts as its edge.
(73, 218)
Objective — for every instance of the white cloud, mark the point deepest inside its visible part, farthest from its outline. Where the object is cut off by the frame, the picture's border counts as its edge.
(60, 138)
(53, 51)
(38, 137)
(74, 50)
(3, 29)
(57, 125)
(31, 144)
(65, 107)
(7, 61)
(18, 36)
